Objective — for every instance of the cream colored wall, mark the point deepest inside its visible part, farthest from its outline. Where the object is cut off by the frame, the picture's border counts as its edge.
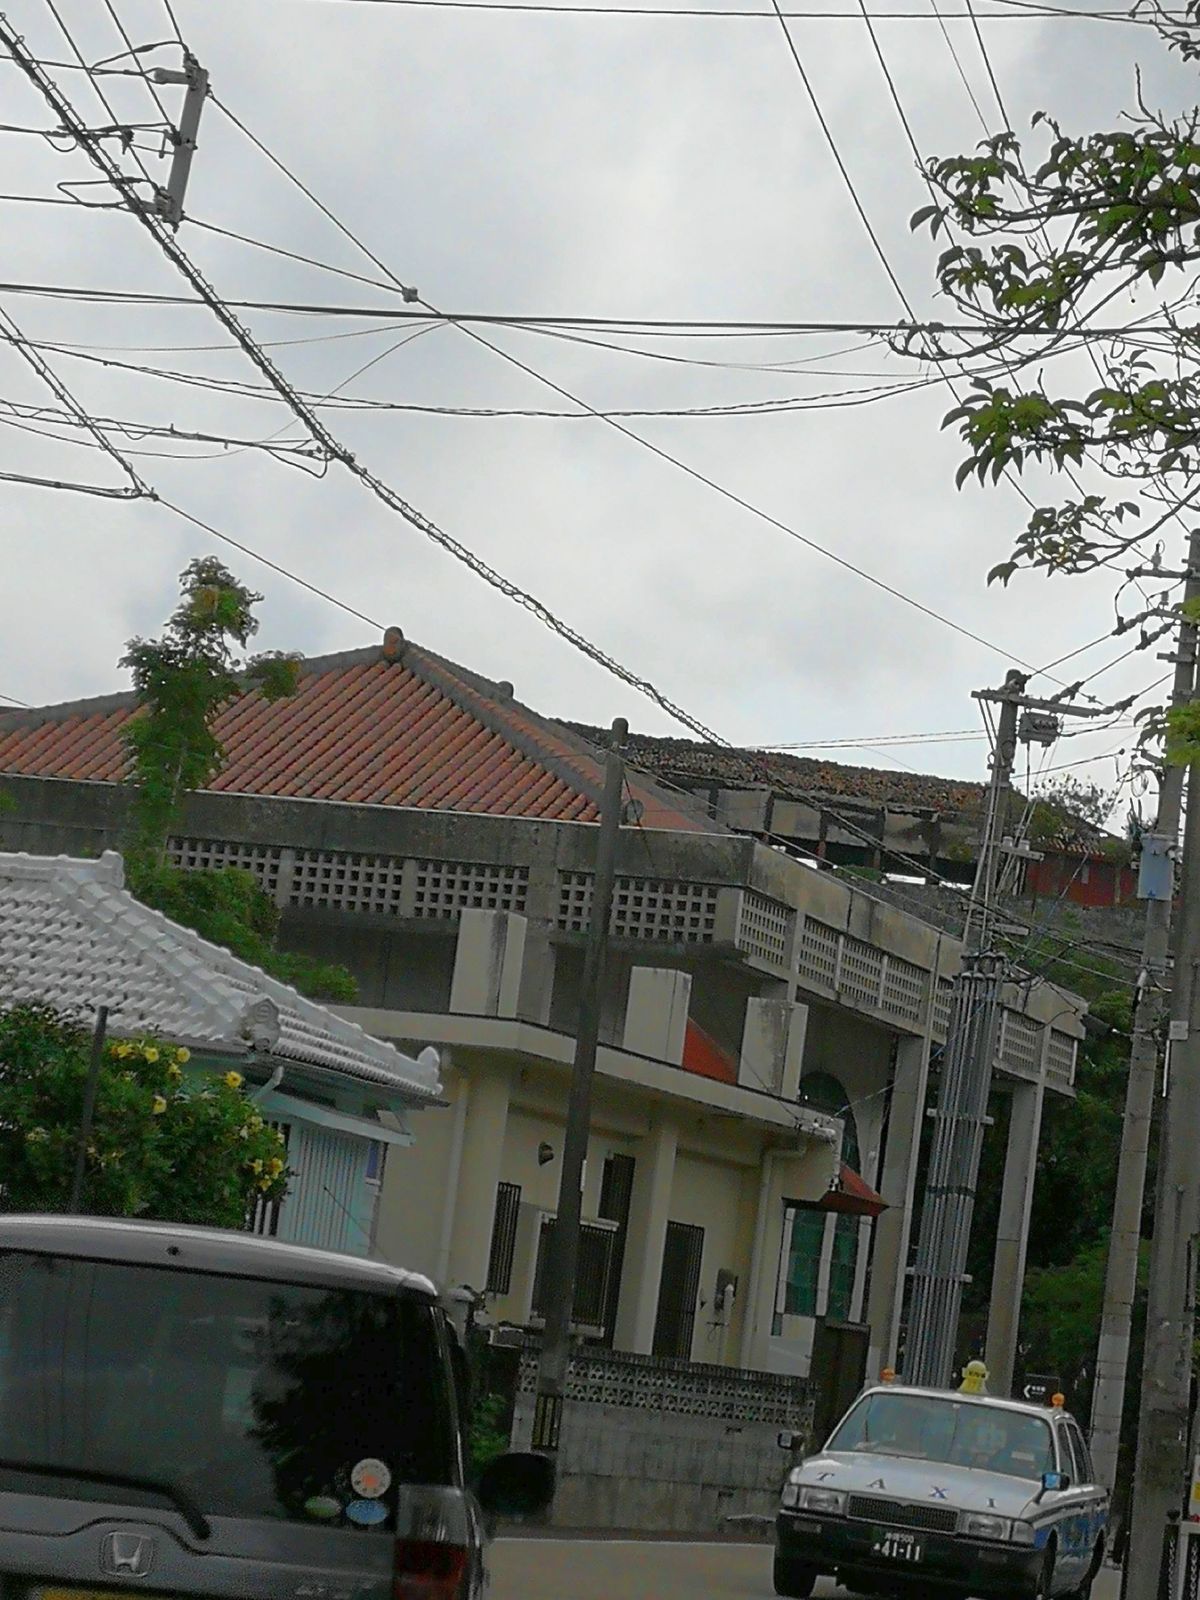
(410, 1215)
(708, 1194)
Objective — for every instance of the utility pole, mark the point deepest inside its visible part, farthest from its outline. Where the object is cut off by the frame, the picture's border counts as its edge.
(1120, 1284)
(88, 1114)
(1164, 1422)
(961, 1116)
(562, 1256)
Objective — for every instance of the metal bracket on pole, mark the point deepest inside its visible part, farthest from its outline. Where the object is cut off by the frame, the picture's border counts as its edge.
(168, 202)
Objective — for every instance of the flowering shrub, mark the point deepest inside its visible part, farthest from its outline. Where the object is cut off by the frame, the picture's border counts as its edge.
(165, 1144)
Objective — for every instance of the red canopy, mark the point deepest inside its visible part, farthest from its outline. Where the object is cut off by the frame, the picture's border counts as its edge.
(852, 1197)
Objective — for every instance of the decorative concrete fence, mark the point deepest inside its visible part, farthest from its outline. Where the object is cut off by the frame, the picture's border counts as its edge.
(662, 1446)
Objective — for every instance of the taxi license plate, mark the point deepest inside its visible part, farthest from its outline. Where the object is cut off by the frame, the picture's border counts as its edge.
(894, 1546)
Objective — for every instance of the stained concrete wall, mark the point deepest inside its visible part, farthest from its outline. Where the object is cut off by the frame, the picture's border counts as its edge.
(622, 1469)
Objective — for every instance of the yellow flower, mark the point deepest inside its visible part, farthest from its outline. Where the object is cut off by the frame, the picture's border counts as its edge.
(254, 1124)
(122, 1050)
(183, 1055)
(158, 1106)
(256, 1166)
(150, 1053)
(264, 1184)
(279, 1138)
(174, 1073)
(232, 1080)
(275, 1166)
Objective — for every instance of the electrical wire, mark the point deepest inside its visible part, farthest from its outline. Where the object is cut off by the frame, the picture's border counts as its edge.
(696, 327)
(135, 57)
(13, 701)
(96, 89)
(645, 443)
(1024, 14)
(333, 448)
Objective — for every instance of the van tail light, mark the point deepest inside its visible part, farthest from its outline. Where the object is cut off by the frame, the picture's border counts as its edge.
(425, 1569)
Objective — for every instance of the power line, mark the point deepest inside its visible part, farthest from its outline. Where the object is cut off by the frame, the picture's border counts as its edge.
(54, 383)
(13, 701)
(655, 449)
(696, 327)
(332, 447)
(1023, 14)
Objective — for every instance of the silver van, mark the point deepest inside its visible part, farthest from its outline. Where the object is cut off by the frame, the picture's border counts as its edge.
(196, 1413)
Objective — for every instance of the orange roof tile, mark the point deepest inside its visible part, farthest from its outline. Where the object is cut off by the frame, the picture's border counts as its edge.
(362, 729)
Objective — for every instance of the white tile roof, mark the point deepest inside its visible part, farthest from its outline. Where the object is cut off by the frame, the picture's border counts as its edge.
(72, 935)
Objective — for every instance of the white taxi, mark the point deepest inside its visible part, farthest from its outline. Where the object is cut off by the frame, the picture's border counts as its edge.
(934, 1493)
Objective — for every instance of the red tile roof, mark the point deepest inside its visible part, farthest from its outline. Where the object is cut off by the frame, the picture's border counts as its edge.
(362, 729)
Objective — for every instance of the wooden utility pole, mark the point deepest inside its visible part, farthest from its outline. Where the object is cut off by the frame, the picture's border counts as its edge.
(562, 1256)
(1120, 1284)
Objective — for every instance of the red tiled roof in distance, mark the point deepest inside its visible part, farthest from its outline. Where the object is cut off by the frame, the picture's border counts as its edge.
(362, 729)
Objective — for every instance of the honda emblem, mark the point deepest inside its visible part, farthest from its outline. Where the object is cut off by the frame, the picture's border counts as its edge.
(126, 1555)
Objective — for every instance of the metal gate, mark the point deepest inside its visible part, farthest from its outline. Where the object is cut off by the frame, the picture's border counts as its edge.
(678, 1291)
(328, 1170)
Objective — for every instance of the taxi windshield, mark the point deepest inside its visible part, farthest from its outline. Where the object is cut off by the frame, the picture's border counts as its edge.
(948, 1431)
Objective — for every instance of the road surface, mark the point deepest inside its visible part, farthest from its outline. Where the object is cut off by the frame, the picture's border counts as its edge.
(583, 1569)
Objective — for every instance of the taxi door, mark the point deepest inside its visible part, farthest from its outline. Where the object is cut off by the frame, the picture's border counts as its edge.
(1078, 1523)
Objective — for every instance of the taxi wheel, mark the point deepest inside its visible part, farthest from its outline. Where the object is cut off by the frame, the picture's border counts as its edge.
(793, 1579)
(1045, 1588)
(1084, 1591)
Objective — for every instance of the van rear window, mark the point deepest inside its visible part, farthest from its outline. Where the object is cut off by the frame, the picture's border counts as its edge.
(256, 1399)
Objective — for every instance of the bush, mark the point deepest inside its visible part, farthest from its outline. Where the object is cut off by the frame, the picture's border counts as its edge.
(165, 1144)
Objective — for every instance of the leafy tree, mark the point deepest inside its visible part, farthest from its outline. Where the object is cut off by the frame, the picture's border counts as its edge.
(182, 681)
(165, 1145)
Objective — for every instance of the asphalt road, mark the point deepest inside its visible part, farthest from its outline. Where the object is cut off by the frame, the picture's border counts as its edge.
(595, 1569)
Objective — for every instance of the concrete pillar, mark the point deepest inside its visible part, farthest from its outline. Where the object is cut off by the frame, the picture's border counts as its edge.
(649, 1210)
(764, 1268)
(487, 963)
(896, 1183)
(1012, 1236)
(657, 1013)
(479, 1168)
(773, 1046)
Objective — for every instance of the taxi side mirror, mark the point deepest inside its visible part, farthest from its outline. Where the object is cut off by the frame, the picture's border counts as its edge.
(1054, 1482)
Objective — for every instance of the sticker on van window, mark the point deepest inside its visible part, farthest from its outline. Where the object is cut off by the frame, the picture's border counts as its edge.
(323, 1507)
(370, 1478)
(367, 1513)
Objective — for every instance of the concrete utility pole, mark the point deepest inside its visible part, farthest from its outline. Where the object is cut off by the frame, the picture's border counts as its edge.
(1120, 1285)
(1165, 1419)
(88, 1114)
(562, 1257)
(961, 1115)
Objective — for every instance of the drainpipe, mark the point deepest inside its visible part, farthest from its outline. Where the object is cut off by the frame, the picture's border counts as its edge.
(271, 1084)
(750, 1315)
(450, 1203)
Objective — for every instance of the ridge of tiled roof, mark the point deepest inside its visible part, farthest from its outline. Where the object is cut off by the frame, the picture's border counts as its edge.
(72, 935)
(797, 777)
(397, 726)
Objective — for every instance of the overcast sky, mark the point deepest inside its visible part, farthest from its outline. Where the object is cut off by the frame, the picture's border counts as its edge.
(549, 165)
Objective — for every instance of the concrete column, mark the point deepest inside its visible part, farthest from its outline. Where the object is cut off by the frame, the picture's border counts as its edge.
(1012, 1236)
(479, 1173)
(764, 1268)
(896, 1183)
(657, 1013)
(649, 1210)
(487, 963)
(773, 1046)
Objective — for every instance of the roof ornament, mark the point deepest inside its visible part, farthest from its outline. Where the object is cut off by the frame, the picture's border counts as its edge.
(260, 1025)
(395, 645)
